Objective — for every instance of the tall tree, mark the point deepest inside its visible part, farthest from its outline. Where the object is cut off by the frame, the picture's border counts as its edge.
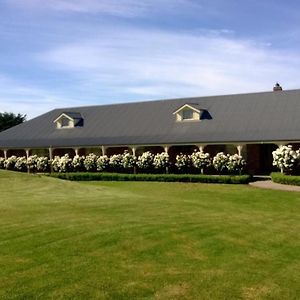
(8, 120)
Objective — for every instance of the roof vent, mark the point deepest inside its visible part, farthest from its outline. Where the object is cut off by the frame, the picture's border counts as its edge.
(277, 87)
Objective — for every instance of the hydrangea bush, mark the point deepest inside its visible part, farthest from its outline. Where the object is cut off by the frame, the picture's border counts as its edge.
(55, 163)
(2, 161)
(42, 164)
(235, 164)
(21, 164)
(286, 159)
(128, 161)
(145, 161)
(10, 162)
(183, 162)
(78, 163)
(161, 161)
(32, 163)
(220, 162)
(90, 162)
(116, 161)
(62, 164)
(102, 163)
(201, 160)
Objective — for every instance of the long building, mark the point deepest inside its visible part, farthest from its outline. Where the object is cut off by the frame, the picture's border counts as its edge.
(249, 124)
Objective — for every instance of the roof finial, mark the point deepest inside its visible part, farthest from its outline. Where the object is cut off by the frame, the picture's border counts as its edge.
(277, 87)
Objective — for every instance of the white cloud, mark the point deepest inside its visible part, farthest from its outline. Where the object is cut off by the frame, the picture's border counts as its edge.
(22, 98)
(164, 64)
(131, 64)
(109, 61)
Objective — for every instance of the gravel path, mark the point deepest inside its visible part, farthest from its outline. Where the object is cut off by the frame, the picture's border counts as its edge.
(268, 184)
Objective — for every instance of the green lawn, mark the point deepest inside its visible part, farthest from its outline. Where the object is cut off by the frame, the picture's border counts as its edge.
(139, 240)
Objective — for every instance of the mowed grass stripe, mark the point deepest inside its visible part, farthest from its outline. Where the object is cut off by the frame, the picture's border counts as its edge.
(139, 240)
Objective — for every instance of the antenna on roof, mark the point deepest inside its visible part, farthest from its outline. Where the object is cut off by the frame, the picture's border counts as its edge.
(277, 87)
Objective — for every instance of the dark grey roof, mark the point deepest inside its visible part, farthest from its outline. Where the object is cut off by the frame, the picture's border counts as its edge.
(256, 117)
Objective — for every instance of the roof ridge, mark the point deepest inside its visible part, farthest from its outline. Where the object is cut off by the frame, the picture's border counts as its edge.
(175, 99)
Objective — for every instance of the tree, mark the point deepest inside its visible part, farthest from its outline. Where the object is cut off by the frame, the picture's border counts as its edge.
(8, 120)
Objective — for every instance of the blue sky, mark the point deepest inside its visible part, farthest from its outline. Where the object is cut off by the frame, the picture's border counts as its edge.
(60, 53)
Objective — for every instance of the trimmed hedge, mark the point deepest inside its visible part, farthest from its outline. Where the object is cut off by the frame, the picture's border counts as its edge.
(228, 179)
(285, 179)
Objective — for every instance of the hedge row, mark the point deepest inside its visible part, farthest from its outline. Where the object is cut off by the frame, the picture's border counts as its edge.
(228, 179)
(285, 179)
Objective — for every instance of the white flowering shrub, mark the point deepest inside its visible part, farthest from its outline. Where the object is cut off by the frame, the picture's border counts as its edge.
(183, 162)
(10, 162)
(55, 163)
(285, 158)
(161, 161)
(78, 163)
(145, 161)
(102, 163)
(116, 161)
(65, 163)
(235, 164)
(42, 164)
(62, 164)
(128, 160)
(90, 162)
(32, 162)
(220, 162)
(2, 160)
(201, 160)
(21, 164)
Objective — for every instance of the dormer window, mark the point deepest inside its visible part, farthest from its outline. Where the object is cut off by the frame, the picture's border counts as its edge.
(188, 112)
(69, 120)
(191, 112)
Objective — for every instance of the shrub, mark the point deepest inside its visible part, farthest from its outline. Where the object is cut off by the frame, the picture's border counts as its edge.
(220, 162)
(183, 162)
(2, 160)
(116, 162)
(78, 163)
(235, 164)
(10, 162)
(128, 160)
(32, 162)
(200, 160)
(42, 164)
(90, 162)
(62, 164)
(228, 179)
(102, 163)
(285, 158)
(145, 161)
(21, 164)
(285, 179)
(161, 161)
(55, 163)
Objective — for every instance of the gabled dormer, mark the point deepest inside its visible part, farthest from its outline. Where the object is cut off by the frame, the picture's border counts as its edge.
(188, 112)
(69, 120)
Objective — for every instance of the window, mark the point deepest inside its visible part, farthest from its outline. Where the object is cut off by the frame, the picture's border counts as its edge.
(187, 114)
(65, 122)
